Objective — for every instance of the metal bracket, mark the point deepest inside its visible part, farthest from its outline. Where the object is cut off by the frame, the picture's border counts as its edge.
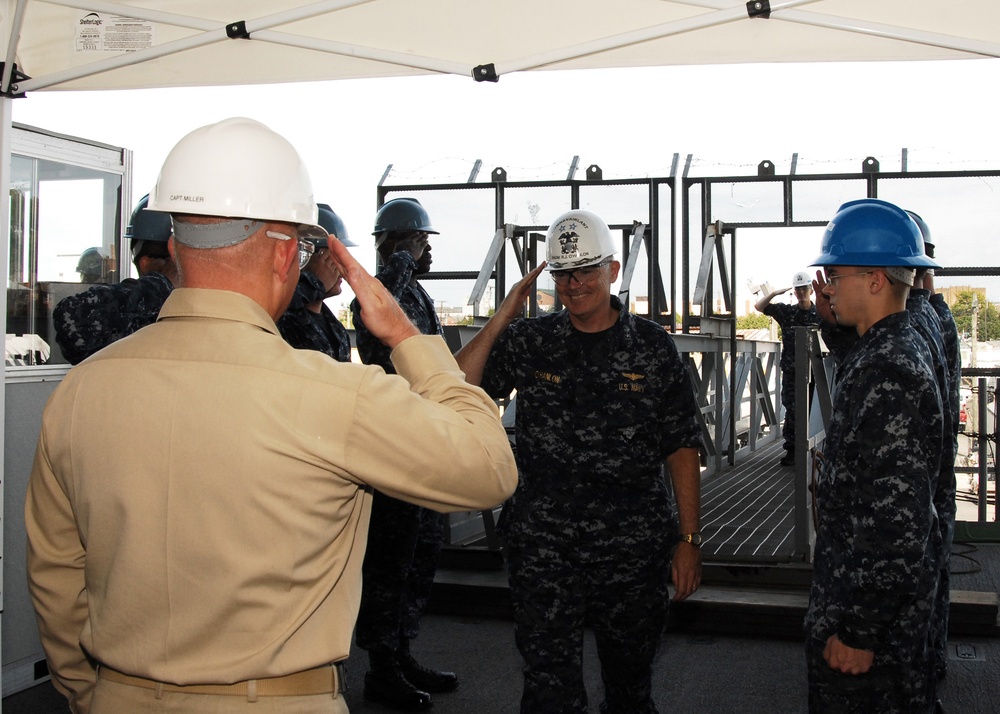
(485, 73)
(489, 263)
(765, 168)
(712, 231)
(638, 233)
(759, 8)
(499, 175)
(573, 166)
(237, 30)
(870, 166)
(15, 76)
(594, 173)
(475, 171)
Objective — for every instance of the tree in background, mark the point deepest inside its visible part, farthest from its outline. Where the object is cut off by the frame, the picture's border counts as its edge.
(756, 321)
(346, 317)
(988, 326)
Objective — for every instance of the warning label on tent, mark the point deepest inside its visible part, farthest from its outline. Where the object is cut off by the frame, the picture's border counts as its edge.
(99, 32)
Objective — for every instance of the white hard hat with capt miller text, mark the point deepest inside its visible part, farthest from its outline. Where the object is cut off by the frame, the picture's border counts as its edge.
(237, 168)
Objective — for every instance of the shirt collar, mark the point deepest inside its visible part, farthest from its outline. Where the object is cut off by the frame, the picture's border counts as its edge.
(218, 305)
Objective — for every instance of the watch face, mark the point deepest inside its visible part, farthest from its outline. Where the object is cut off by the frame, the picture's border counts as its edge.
(692, 538)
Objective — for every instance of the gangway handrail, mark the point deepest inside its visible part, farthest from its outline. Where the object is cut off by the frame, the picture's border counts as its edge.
(715, 369)
(813, 407)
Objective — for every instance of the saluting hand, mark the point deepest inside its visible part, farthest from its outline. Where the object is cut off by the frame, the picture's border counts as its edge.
(512, 306)
(823, 300)
(383, 316)
(323, 267)
(415, 245)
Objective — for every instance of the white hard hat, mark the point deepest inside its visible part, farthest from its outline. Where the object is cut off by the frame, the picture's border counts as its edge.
(237, 168)
(577, 239)
(801, 280)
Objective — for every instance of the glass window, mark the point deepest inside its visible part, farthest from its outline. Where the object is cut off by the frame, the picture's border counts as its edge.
(65, 236)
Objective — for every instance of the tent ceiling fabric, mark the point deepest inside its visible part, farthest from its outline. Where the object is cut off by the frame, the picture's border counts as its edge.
(81, 44)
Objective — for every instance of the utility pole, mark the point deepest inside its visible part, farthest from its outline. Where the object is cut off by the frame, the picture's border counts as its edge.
(975, 326)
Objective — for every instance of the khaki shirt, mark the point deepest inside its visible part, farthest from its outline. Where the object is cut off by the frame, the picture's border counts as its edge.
(198, 507)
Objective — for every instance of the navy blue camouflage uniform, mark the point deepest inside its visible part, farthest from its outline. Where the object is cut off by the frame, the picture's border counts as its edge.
(949, 333)
(878, 552)
(929, 325)
(404, 540)
(789, 317)
(591, 526)
(93, 319)
(304, 329)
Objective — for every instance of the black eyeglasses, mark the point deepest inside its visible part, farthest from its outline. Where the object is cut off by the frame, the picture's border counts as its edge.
(583, 275)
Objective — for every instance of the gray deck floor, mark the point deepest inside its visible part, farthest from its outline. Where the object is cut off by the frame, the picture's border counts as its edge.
(747, 511)
(693, 674)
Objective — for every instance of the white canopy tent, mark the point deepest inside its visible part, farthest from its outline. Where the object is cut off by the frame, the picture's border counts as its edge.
(90, 45)
(97, 45)
(81, 45)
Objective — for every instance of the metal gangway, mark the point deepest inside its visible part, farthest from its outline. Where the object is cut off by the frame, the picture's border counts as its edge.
(743, 487)
(754, 510)
(683, 241)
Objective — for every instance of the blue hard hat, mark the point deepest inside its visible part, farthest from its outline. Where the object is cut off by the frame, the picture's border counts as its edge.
(146, 228)
(925, 232)
(148, 225)
(401, 215)
(873, 232)
(333, 225)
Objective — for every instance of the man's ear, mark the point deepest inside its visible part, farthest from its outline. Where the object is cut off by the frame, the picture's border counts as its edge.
(286, 259)
(879, 281)
(615, 267)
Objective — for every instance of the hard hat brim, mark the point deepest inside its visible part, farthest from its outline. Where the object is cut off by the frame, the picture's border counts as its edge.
(574, 264)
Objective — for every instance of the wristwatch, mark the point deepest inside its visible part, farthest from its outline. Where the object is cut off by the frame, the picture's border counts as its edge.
(694, 539)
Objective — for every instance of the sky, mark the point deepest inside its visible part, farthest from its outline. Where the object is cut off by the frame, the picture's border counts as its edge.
(629, 121)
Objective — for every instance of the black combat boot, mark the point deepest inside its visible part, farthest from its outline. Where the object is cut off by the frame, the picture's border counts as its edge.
(423, 677)
(385, 684)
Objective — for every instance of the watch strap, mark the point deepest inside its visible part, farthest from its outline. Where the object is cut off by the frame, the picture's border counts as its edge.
(694, 539)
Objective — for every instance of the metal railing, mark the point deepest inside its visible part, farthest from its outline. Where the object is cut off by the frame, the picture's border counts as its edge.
(979, 462)
(814, 381)
(738, 393)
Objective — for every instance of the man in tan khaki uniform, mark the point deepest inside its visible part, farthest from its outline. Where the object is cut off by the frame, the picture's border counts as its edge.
(198, 508)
